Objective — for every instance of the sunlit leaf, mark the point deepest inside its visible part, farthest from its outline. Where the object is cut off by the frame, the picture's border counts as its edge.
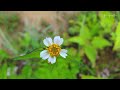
(106, 20)
(91, 54)
(78, 40)
(100, 43)
(117, 40)
(85, 33)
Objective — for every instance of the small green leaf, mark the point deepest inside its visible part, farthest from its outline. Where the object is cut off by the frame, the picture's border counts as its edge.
(117, 40)
(78, 40)
(91, 54)
(3, 71)
(100, 43)
(33, 54)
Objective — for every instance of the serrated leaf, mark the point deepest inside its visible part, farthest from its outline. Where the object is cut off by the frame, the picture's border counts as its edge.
(100, 43)
(91, 54)
(31, 55)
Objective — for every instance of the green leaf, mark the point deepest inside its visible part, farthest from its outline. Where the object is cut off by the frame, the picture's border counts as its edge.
(85, 33)
(31, 55)
(3, 72)
(118, 30)
(106, 20)
(91, 54)
(78, 40)
(27, 71)
(3, 55)
(26, 40)
(100, 43)
(117, 40)
(74, 30)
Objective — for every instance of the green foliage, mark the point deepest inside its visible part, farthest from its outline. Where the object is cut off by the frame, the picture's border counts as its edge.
(3, 71)
(85, 33)
(44, 70)
(91, 37)
(91, 54)
(106, 20)
(100, 43)
(117, 40)
(26, 72)
(3, 55)
(77, 39)
(26, 41)
(31, 55)
(74, 30)
(47, 71)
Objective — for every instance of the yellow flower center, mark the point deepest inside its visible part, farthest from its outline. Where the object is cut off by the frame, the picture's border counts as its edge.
(54, 50)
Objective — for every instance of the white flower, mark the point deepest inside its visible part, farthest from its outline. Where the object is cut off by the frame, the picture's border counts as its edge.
(53, 49)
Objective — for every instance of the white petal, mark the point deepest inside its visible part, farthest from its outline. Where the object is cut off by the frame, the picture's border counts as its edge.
(48, 41)
(61, 41)
(44, 54)
(64, 50)
(45, 42)
(63, 53)
(52, 60)
(57, 40)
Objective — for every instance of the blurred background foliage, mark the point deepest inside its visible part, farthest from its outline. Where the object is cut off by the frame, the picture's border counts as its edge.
(91, 38)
